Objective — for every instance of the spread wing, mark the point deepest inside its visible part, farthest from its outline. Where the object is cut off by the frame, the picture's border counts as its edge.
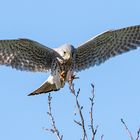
(25, 54)
(106, 45)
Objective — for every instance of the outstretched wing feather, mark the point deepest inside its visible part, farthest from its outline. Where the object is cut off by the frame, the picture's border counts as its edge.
(25, 54)
(106, 45)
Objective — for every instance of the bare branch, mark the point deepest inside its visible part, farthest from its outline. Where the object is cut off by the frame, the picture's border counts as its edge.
(71, 85)
(94, 131)
(129, 132)
(138, 134)
(102, 137)
(54, 129)
(91, 114)
(81, 122)
(78, 122)
(81, 115)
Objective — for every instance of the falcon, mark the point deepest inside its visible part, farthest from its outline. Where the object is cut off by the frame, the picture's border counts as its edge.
(63, 62)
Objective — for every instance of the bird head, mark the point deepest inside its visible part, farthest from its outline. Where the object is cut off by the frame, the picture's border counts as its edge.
(66, 51)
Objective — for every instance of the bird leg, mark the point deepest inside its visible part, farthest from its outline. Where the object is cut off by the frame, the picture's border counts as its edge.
(73, 77)
(70, 79)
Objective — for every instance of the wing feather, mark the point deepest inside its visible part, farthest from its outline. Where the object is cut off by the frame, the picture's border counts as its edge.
(106, 45)
(25, 54)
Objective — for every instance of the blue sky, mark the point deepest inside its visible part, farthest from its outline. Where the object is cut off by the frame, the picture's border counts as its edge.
(117, 81)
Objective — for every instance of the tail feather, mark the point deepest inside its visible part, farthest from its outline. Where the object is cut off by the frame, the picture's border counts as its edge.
(45, 88)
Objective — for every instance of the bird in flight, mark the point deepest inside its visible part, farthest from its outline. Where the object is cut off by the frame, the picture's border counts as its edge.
(29, 55)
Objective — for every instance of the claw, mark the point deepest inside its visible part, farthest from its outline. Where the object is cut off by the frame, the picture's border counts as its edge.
(73, 77)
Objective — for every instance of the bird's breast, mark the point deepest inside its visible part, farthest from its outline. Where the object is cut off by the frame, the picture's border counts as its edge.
(67, 69)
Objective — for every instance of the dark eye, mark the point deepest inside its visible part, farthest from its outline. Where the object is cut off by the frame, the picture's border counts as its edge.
(64, 53)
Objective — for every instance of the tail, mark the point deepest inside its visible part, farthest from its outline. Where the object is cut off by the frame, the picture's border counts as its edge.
(46, 87)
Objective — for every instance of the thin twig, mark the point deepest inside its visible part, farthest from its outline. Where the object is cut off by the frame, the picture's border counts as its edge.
(102, 137)
(91, 114)
(138, 134)
(81, 122)
(94, 131)
(129, 132)
(81, 116)
(54, 129)
(78, 123)
(71, 87)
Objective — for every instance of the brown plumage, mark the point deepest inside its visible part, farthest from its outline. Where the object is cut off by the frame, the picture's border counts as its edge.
(25, 54)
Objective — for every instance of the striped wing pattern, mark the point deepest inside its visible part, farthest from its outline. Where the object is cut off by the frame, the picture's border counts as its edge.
(25, 54)
(106, 45)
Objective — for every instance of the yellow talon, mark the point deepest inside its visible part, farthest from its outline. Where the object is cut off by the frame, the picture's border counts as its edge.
(63, 75)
